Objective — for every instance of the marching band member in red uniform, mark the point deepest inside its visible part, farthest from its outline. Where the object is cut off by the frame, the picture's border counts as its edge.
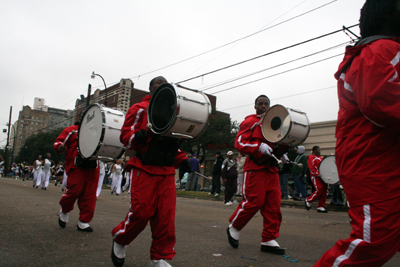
(261, 188)
(368, 143)
(314, 160)
(153, 191)
(82, 181)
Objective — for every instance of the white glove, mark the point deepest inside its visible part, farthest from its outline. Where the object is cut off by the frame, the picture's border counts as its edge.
(265, 149)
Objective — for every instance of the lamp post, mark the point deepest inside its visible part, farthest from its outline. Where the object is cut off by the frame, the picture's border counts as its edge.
(94, 76)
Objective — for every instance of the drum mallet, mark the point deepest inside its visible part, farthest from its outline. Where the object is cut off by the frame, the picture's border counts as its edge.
(278, 160)
(208, 178)
(148, 126)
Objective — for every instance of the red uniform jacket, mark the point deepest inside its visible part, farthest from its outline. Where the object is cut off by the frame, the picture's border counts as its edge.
(136, 120)
(248, 141)
(313, 163)
(68, 139)
(367, 130)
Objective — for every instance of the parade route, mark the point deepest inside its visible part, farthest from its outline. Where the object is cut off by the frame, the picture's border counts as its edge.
(30, 234)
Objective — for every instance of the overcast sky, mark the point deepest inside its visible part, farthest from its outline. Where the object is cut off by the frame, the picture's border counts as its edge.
(50, 48)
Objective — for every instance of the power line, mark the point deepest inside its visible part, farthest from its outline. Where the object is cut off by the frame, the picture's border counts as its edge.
(308, 92)
(267, 54)
(232, 42)
(279, 65)
(276, 74)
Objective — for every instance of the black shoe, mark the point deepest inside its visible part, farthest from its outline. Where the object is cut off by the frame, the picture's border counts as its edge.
(233, 242)
(273, 250)
(61, 223)
(116, 261)
(305, 204)
(87, 229)
(322, 211)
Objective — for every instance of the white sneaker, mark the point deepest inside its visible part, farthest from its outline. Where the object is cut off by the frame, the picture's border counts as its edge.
(64, 216)
(159, 263)
(209, 193)
(228, 203)
(216, 194)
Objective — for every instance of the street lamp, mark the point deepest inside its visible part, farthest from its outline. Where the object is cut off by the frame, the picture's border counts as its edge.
(94, 76)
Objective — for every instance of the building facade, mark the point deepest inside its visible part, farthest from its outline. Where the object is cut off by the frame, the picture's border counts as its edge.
(40, 119)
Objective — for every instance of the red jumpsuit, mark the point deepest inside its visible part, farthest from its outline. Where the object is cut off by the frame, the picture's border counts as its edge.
(153, 192)
(320, 187)
(368, 152)
(81, 183)
(261, 188)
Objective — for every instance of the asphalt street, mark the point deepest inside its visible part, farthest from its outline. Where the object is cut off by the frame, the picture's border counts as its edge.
(30, 235)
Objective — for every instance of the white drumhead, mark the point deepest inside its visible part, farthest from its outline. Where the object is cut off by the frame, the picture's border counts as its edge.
(276, 123)
(90, 131)
(328, 170)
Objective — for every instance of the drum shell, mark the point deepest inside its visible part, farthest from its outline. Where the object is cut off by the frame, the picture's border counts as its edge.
(98, 138)
(294, 128)
(191, 116)
(328, 170)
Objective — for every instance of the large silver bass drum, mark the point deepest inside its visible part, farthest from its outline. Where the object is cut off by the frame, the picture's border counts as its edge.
(99, 131)
(285, 125)
(179, 112)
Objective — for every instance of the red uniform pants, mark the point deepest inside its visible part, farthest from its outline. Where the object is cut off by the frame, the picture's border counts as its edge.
(375, 237)
(153, 198)
(81, 185)
(319, 193)
(261, 192)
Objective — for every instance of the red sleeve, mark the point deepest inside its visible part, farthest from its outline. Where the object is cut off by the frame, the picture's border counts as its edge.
(377, 84)
(245, 143)
(133, 120)
(63, 138)
(180, 156)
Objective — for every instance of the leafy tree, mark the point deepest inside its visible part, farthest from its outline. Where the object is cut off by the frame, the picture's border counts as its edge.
(39, 144)
(219, 135)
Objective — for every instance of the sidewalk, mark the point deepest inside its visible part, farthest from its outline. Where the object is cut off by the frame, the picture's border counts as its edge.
(290, 203)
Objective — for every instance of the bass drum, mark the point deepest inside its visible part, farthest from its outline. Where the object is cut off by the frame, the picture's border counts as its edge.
(179, 112)
(99, 131)
(328, 170)
(285, 125)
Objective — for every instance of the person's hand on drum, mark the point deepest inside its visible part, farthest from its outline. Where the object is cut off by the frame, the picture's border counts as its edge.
(265, 149)
(141, 136)
(62, 148)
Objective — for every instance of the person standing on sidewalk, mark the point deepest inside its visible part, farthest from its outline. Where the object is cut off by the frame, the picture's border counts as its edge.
(240, 164)
(216, 174)
(299, 169)
(229, 176)
(193, 178)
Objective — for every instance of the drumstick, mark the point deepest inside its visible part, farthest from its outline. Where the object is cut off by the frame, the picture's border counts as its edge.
(278, 160)
(208, 178)
(148, 126)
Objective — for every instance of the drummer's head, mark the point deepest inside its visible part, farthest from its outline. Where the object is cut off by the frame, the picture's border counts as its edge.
(261, 104)
(316, 150)
(380, 17)
(156, 82)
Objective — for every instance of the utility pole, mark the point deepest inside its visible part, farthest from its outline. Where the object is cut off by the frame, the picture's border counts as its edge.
(6, 151)
(88, 95)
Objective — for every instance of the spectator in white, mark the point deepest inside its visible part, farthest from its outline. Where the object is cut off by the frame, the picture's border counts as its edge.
(229, 176)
